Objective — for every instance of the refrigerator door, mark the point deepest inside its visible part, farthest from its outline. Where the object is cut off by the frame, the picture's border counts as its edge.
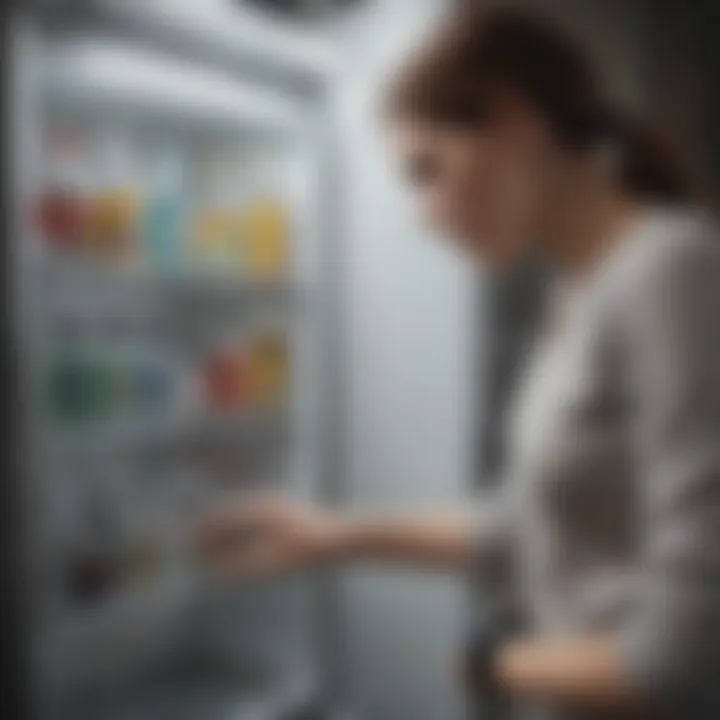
(170, 268)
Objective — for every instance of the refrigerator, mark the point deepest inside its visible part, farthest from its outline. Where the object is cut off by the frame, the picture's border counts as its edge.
(172, 294)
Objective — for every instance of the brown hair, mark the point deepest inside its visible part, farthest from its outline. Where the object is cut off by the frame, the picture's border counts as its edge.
(478, 51)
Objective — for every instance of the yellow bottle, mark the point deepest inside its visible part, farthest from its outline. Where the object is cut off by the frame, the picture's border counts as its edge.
(214, 230)
(268, 232)
(111, 224)
(268, 368)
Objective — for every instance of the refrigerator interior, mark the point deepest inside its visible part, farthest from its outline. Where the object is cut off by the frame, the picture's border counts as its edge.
(172, 346)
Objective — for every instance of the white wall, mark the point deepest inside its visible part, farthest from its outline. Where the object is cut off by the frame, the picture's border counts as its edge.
(410, 342)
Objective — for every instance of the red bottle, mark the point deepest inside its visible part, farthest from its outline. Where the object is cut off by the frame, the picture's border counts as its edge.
(227, 381)
(61, 217)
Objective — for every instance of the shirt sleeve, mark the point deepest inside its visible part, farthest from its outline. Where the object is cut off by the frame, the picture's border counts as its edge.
(670, 649)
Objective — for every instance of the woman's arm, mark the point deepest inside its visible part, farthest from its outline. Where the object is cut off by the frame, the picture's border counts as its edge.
(586, 673)
(271, 535)
(434, 539)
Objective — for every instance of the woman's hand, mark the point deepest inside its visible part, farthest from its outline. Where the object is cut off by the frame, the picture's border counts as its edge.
(268, 535)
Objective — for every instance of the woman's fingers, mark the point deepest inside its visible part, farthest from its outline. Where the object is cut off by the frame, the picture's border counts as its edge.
(236, 522)
(263, 535)
(248, 538)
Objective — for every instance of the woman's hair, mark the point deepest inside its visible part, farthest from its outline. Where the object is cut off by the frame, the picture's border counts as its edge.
(479, 52)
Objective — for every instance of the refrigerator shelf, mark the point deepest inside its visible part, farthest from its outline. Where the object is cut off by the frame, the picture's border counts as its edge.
(194, 700)
(246, 428)
(77, 274)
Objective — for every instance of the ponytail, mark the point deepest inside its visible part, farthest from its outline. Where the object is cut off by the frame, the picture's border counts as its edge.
(652, 168)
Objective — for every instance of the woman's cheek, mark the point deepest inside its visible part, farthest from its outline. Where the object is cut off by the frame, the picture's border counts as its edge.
(492, 225)
(510, 215)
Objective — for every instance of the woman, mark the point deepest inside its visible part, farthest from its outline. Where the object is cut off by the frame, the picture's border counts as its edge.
(610, 513)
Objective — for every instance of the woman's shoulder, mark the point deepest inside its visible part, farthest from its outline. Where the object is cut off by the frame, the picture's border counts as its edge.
(675, 249)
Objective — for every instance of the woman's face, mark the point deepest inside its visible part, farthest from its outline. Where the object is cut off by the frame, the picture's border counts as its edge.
(484, 189)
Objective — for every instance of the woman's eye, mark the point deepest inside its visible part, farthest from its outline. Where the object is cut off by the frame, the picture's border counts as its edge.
(422, 171)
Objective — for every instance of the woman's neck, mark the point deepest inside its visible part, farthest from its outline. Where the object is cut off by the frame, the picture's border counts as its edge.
(593, 217)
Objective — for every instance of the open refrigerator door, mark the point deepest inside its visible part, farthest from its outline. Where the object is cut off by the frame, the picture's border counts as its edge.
(170, 261)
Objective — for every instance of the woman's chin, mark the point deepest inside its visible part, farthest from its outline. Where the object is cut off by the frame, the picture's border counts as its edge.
(494, 257)
(488, 250)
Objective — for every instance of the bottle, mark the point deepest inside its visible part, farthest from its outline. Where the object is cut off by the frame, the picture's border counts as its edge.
(151, 386)
(143, 557)
(61, 207)
(267, 223)
(113, 210)
(93, 568)
(227, 379)
(208, 222)
(163, 225)
(269, 365)
(268, 229)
